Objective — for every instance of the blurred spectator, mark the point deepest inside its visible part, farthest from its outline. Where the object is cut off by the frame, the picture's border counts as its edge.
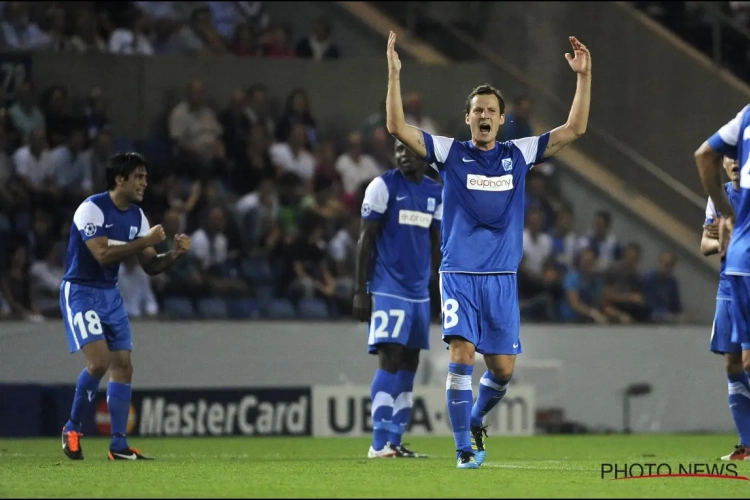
(259, 215)
(96, 112)
(210, 246)
(537, 197)
(46, 275)
(583, 288)
(183, 278)
(40, 238)
(199, 36)
(538, 280)
(537, 245)
(275, 42)
(58, 117)
(325, 205)
(256, 15)
(257, 107)
(226, 16)
(254, 166)
(164, 39)
(308, 271)
(132, 40)
(25, 115)
(414, 114)
(297, 111)
(354, 166)
(375, 121)
(325, 169)
(19, 33)
(290, 191)
(517, 120)
(55, 17)
(381, 149)
(601, 241)
(342, 252)
(244, 42)
(235, 125)
(194, 128)
(86, 38)
(72, 167)
(136, 291)
(564, 239)
(663, 292)
(15, 285)
(291, 156)
(35, 165)
(319, 45)
(101, 150)
(623, 287)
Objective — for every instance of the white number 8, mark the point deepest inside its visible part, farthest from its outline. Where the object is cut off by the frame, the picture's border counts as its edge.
(93, 324)
(450, 318)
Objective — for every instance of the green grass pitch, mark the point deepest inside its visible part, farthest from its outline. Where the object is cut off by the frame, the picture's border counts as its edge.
(541, 466)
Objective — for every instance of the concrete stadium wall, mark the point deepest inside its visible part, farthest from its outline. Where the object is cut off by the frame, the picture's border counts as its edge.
(580, 369)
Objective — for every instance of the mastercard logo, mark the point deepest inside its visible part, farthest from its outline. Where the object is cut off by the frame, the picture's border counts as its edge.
(103, 424)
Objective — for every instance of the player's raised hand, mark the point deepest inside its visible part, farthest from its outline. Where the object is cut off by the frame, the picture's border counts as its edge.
(156, 235)
(362, 308)
(181, 244)
(394, 63)
(726, 228)
(580, 61)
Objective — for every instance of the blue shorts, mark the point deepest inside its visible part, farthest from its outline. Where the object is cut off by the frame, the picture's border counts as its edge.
(92, 314)
(396, 320)
(483, 309)
(721, 330)
(740, 286)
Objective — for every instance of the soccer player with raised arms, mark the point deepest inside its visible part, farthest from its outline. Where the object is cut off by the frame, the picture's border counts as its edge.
(733, 141)
(482, 238)
(107, 229)
(721, 330)
(401, 214)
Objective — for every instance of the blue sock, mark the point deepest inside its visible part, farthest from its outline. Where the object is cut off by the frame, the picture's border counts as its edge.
(459, 396)
(118, 401)
(491, 391)
(739, 404)
(401, 405)
(382, 390)
(86, 388)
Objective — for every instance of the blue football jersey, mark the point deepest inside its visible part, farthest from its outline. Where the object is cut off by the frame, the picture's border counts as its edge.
(724, 291)
(401, 261)
(483, 196)
(733, 140)
(98, 216)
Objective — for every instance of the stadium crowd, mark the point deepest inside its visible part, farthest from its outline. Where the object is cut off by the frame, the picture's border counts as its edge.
(272, 206)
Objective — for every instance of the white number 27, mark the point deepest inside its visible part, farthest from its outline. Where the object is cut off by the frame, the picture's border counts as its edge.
(381, 331)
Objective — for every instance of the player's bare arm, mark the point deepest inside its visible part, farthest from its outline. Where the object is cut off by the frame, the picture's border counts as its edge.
(710, 165)
(105, 253)
(395, 122)
(709, 244)
(153, 263)
(362, 308)
(578, 118)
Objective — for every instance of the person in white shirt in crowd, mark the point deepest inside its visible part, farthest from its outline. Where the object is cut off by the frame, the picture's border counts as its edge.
(19, 33)
(342, 250)
(25, 114)
(136, 291)
(73, 166)
(46, 276)
(132, 40)
(604, 244)
(354, 166)
(414, 114)
(35, 164)
(291, 156)
(194, 127)
(537, 245)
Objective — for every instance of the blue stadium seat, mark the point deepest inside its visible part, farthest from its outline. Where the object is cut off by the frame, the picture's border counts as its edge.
(312, 309)
(213, 309)
(243, 308)
(257, 271)
(179, 308)
(264, 296)
(123, 144)
(281, 309)
(154, 149)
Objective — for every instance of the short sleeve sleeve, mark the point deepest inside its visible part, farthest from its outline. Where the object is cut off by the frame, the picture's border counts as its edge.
(438, 148)
(375, 202)
(532, 148)
(710, 211)
(726, 139)
(145, 227)
(438, 215)
(89, 220)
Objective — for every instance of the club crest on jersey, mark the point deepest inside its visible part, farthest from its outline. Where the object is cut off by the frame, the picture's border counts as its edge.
(133, 232)
(365, 209)
(430, 204)
(507, 164)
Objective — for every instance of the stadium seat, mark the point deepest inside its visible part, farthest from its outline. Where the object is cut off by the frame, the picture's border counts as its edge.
(312, 309)
(179, 308)
(243, 308)
(281, 309)
(123, 144)
(257, 271)
(213, 309)
(264, 296)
